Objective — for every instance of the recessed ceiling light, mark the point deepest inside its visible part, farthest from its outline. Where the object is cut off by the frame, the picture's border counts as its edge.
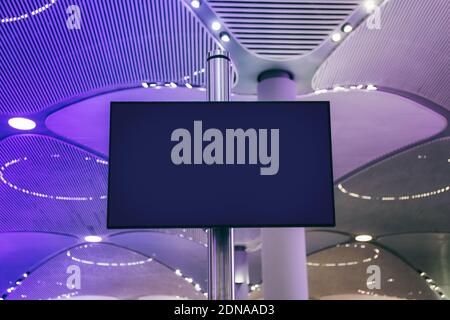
(188, 85)
(347, 28)
(336, 37)
(93, 239)
(22, 123)
(225, 37)
(152, 85)
(370, 5)
(145, 85)
(195, 4)
(363, 238)
(216, 26)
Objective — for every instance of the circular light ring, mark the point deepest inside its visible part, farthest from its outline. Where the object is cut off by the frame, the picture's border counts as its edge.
(394, 198)
(106, 264)
(22, 123)
(3, 179)
(348, 263)
(178, 272)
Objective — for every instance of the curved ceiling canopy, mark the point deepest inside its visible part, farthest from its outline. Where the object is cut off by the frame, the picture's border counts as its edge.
(54, 178)
(104, 270)
(22, 252)
(409, 52)
(425, 251)
(360, 121)
(344, 270)
(408, 192)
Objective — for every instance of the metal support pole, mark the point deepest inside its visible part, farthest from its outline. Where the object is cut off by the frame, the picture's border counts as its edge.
(220, 240)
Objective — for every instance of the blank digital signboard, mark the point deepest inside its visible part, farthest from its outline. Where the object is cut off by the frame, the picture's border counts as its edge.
(208, 164)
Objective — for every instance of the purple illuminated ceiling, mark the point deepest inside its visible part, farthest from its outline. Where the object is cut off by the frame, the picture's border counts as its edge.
(21, 252)
(53, 179)
(46, 62)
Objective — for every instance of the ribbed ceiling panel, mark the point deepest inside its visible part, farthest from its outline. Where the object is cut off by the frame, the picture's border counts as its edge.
(410, 52)
(50, 186)
(120, 43)
(282, 29)
(47, 185)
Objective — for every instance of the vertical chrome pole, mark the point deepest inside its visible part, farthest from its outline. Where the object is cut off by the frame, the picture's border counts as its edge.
(220, 239)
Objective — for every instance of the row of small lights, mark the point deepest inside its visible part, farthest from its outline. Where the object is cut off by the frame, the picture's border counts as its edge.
(350, 263)
(368, 87)
(369, 293)
(65, 296)
(369, 5)
(215, 25)
(178, 272)
(189, 280)
(430, 282)
(43, 195)
(173, 85)
(105, 264)
(26, 15)
(181, 235)
(393, 198)
(17, 283)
